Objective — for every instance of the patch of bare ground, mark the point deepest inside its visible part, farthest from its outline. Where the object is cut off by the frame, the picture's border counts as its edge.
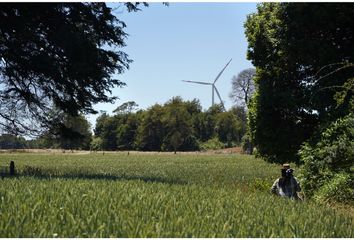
(228, 150)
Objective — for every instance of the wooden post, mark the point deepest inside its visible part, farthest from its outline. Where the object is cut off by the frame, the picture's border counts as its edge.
(12, 168)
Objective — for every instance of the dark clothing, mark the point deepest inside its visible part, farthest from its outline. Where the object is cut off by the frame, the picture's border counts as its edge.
(286, 187)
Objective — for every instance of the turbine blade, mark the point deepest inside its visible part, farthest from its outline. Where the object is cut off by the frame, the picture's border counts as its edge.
(222, 71)
(222, 103)
(204, 83)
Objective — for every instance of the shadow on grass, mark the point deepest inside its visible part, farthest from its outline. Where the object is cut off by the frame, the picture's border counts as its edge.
(35, 172)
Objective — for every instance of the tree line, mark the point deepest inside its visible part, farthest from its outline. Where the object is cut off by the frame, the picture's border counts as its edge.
(177, 125)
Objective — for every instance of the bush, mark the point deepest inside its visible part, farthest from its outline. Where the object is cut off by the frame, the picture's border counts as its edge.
(339, 188)
(246, 144)
(212, 144)
(329, 162)
(96, 144)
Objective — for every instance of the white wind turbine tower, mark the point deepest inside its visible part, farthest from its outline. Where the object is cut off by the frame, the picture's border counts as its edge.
(213, 88)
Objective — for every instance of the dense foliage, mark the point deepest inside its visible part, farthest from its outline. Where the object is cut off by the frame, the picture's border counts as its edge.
(8, 141)
(57, 55)
(175, 126)
(303, 54)
(154, 195)
(72, 133)
(328, 170)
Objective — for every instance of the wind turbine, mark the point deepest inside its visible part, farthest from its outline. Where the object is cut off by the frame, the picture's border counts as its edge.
(213, 88)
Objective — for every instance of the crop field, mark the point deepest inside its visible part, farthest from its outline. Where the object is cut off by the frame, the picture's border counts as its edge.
(154, 195)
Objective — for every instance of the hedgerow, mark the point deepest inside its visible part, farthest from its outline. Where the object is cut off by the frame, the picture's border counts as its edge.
(329, 163)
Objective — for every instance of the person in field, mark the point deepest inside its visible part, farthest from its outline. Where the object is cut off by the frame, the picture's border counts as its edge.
(287, 185)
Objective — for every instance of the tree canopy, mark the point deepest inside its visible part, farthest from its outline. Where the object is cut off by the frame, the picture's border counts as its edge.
(303, 54)
(57, 55)
(8, 141)
(75, 134)
(176, 125)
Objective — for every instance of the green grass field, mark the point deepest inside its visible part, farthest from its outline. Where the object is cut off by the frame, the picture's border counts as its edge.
(154, 195)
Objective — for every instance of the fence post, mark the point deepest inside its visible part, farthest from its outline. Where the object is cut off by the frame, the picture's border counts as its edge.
(12, 168)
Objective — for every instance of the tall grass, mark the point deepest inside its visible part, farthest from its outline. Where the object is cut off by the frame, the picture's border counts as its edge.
(115, 195)
(221, 169)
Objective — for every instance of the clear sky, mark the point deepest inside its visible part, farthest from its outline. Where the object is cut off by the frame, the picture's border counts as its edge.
(182, 41)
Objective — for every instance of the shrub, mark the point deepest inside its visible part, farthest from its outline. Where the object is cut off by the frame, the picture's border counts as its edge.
(212, 144)
(329, 161)
(338, 188)
(96, 144)
(246, 144)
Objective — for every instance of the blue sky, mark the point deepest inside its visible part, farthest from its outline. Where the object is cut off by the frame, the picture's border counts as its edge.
(191, 41)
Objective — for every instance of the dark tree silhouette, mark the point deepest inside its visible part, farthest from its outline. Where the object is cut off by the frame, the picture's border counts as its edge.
(57, 56)
(303, 64)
